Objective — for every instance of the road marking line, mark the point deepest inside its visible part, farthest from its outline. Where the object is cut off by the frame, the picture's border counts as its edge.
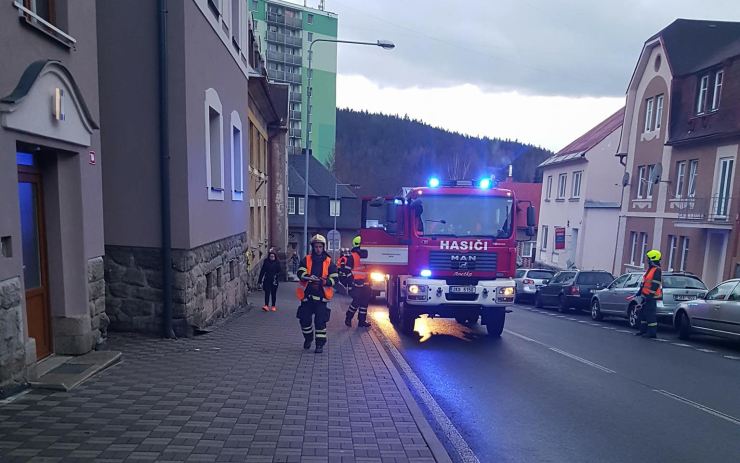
(708, 351)
(444, 423)
(624, 331)
(560, 316)
(573, 319)
(699, 406)
(680, 344)
(731, 357)
(660, 340)
(582, 321)
(582, 360)
(562, 352)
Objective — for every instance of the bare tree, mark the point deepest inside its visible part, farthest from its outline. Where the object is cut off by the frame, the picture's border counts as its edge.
(458, 166)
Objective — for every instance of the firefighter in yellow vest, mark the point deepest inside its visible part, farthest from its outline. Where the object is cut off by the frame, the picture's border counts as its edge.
(317, 275)
(360, 290)
(650, 292)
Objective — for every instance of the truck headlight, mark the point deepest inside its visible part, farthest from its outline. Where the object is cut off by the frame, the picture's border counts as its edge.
(377, 277)
(507, 291)
(418, 289)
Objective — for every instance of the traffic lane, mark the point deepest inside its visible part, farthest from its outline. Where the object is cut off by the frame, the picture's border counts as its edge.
(514, 400)
(672, 365)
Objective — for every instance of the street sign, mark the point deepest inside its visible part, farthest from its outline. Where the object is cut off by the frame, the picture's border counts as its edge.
(559, 237)
(335, 239)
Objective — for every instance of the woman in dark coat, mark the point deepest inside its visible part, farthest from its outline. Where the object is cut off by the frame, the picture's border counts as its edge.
(268, 279)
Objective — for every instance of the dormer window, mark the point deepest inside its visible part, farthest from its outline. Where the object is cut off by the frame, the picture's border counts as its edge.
(717, 94)
(701, 101)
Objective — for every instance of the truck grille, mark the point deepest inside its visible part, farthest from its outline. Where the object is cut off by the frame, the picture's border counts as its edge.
(445, 260)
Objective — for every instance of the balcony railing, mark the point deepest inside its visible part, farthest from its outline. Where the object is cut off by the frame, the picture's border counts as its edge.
(276, 37)
(295, 150)
(277, 75)
(274, 55)
(294, 41)
(295, 115)
(718, 210)
(293, 59)
(295, 23)
(295, 97)
(293, 78)
(295, 133)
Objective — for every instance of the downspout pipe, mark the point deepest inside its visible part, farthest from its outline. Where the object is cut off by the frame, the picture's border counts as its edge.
(164, 176)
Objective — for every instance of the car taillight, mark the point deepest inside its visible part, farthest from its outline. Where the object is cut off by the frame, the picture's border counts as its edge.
(527, 281)
(575, 291)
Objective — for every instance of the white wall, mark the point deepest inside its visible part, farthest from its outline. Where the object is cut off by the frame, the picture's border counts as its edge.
(599, 238)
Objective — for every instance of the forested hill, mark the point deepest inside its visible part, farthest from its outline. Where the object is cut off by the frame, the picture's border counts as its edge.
(384, 153)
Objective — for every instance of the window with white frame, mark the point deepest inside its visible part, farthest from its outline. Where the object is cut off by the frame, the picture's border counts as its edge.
(236, 23)
(214, 125)
(693, 172)
(215, 7)
(641, 181)
(310, 18)
(562, 181)
(701, 98)
(633, 250)
(643, 247)
(717, 94)
(335, 207)
(650, 180)
(680, 178)
(684, 253)
(237, 158)
(672, 245)
(301, 206)
(291, 205)
(658, 110)
(576, 192)
(648, 115)
(548, 193)
(543, 241)
(528, 248)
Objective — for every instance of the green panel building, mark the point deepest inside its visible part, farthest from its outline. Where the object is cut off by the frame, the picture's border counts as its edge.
(286, 30)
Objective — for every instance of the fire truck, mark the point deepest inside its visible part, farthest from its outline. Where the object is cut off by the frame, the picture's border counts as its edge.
(447, 250)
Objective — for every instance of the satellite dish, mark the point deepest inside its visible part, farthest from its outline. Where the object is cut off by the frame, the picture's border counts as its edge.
(656, 173)
(626, 179)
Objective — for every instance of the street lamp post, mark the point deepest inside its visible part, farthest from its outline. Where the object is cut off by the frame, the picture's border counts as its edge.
(385, 44)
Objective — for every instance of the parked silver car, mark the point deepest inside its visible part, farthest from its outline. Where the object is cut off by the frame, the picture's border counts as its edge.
(716, 314)
(529, 281)
(677, 288)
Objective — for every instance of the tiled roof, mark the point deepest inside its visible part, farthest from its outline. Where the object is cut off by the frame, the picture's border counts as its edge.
(587, 141)
(693, 45)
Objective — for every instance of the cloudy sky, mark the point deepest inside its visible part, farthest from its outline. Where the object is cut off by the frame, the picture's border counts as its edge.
(540, 71)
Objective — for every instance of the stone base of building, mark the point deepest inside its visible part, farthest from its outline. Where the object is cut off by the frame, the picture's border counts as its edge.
(17, 354)
(209, 282)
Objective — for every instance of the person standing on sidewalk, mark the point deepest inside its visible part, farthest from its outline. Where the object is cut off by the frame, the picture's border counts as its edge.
(269, 279)
(650, 292)
(317, 275)
(359, 290)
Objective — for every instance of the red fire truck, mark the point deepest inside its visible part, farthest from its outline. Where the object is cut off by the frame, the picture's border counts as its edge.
(447, 250)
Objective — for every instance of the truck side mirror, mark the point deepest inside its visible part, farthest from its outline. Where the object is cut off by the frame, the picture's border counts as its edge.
(531, 220)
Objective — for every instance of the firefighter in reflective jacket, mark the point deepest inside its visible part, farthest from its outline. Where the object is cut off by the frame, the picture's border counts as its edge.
(317, 275)
(650, 292)
(360, 291)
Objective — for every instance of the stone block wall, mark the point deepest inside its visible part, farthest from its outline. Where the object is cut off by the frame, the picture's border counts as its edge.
(208, 282)
(15, 360)
(99, 320)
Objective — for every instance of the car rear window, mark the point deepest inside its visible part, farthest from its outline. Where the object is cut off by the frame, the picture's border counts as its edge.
(682, 282)
(595, 278)
(540, 274)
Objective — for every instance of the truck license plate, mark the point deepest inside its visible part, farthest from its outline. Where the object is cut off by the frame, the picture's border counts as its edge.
(462, 289)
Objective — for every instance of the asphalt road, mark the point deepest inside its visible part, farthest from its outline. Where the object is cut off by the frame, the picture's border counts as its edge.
(560, 388)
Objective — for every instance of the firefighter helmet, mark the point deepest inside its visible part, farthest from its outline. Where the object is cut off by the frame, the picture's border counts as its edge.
(318, 239)
(654, 255)
(356, 241)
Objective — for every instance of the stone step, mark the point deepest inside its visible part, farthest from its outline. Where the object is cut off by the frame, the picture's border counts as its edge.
(73, 371)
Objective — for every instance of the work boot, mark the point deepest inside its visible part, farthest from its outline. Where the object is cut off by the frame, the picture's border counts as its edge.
(274, 309)
(348, 319)
(362, 322)
(307, 343)
(319, 349)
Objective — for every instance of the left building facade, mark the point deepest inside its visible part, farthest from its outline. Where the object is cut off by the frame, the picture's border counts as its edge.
(208, 64)
(51, 207)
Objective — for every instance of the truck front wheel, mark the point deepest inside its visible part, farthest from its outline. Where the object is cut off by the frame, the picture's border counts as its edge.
(495, 324)
(408, 320)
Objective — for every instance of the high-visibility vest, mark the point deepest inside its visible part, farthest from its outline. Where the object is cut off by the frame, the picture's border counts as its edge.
(651, 287)
(358, 271)
(328, 290)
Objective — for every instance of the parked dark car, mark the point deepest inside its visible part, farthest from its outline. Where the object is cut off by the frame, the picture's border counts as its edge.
(612, 301)
(572, 289)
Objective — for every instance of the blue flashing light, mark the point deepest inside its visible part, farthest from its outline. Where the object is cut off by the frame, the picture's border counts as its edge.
(426, 273)
(434, 182)
(485, 183)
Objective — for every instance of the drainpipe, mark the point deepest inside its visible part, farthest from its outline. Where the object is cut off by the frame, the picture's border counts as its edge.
(164, 176)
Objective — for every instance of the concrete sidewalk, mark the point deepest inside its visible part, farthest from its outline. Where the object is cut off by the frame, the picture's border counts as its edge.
(245, 392)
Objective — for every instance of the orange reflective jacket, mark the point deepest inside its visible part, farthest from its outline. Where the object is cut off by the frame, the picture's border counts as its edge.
(652, 285)
(328, 290)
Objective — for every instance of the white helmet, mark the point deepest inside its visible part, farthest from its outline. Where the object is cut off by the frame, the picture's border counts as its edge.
(318, 239)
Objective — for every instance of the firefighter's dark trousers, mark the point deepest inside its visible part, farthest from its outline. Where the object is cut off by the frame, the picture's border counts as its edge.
(649, 318)
(314, 313)
(361, 296)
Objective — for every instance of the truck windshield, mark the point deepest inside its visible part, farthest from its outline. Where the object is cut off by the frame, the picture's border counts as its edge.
(466, 216)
